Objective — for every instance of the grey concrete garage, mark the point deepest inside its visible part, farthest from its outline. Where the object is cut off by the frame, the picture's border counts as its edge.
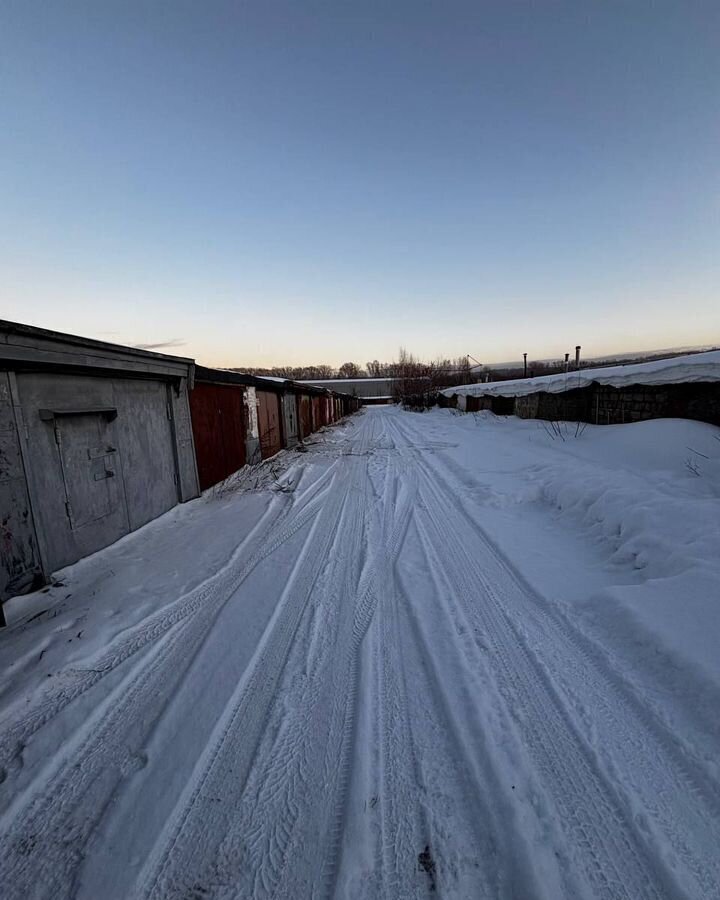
(95, 441)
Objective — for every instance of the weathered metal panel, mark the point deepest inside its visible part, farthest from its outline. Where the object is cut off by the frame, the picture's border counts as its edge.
(188, 482)
(317, 413)
(94, 476)
(147, 458)
(219, 428)
(269, 423)
(304, 402)
(290, 419)
(20, 568)
(60, 468)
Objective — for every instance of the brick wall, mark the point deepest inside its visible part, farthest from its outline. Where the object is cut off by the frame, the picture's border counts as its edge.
(611, 406)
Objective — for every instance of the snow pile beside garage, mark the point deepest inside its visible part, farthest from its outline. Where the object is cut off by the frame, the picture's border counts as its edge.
(658, 507)
(648, 494)
(694, 368)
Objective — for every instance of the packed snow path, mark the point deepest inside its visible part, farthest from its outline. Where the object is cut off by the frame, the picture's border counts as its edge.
(366, 699)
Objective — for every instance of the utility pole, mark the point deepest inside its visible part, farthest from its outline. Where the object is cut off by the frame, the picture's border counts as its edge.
(524, 365)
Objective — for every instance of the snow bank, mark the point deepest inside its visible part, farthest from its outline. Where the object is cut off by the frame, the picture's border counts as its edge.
(647, 494)
(697, 367)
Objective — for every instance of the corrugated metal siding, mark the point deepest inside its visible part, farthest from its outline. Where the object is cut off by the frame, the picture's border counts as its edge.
(269, 413)
(218, 424)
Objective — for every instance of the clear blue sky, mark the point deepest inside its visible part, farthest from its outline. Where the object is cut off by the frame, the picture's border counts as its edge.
(284, 182)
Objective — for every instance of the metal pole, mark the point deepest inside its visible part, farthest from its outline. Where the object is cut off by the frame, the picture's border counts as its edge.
(524, 365)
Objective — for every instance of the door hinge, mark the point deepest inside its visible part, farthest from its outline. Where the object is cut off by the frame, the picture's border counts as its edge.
(168, 408)
(68, 509)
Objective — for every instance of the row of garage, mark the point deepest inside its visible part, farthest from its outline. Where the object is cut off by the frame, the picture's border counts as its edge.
(96, 440)
(684, 387)
(239, 419)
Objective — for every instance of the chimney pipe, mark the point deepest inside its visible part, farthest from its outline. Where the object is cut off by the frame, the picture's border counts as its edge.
(524, 365)
(577, 356)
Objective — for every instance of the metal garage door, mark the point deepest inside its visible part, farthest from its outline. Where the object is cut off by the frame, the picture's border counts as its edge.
(269, 423)
(305, 415)
(219, 431)
(290, 419)
(148, 457)
(102, 459)
(75, 476)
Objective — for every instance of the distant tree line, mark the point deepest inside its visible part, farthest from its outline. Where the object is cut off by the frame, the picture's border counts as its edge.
(421, 378)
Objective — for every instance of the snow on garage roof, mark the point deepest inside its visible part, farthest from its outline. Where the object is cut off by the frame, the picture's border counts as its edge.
(693, 368)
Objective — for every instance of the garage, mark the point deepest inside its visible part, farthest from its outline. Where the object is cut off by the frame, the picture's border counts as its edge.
(98, 443)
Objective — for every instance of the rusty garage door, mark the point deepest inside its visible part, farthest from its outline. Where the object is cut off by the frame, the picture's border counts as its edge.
(304, 415)
(269, 423)
(218, 425)
(317, 413)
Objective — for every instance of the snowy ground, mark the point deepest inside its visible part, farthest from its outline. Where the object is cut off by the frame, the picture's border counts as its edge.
(439, 654)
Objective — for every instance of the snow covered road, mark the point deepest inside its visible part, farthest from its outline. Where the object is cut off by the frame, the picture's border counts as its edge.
(370, 682)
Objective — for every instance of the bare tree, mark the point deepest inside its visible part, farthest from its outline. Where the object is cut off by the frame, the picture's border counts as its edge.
(349, 370)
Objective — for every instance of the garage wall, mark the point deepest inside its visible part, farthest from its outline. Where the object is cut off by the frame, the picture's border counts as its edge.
(20, 568)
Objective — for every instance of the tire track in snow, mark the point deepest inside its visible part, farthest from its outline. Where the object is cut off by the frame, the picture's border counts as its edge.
(404, 828)
(372, 586)
(46, 839)
(598, 831)
(18, 729)
(673, 799)
(291, 782)
(472, 840)
(227, 855)
(425, 755)
(294, 796)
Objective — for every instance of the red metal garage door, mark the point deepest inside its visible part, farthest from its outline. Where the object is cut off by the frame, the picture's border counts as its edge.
(316, 413)
(269, 423)
(304, 415)
(218, 426)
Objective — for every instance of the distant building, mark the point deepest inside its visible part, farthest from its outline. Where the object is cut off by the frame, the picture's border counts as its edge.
(373, 390)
